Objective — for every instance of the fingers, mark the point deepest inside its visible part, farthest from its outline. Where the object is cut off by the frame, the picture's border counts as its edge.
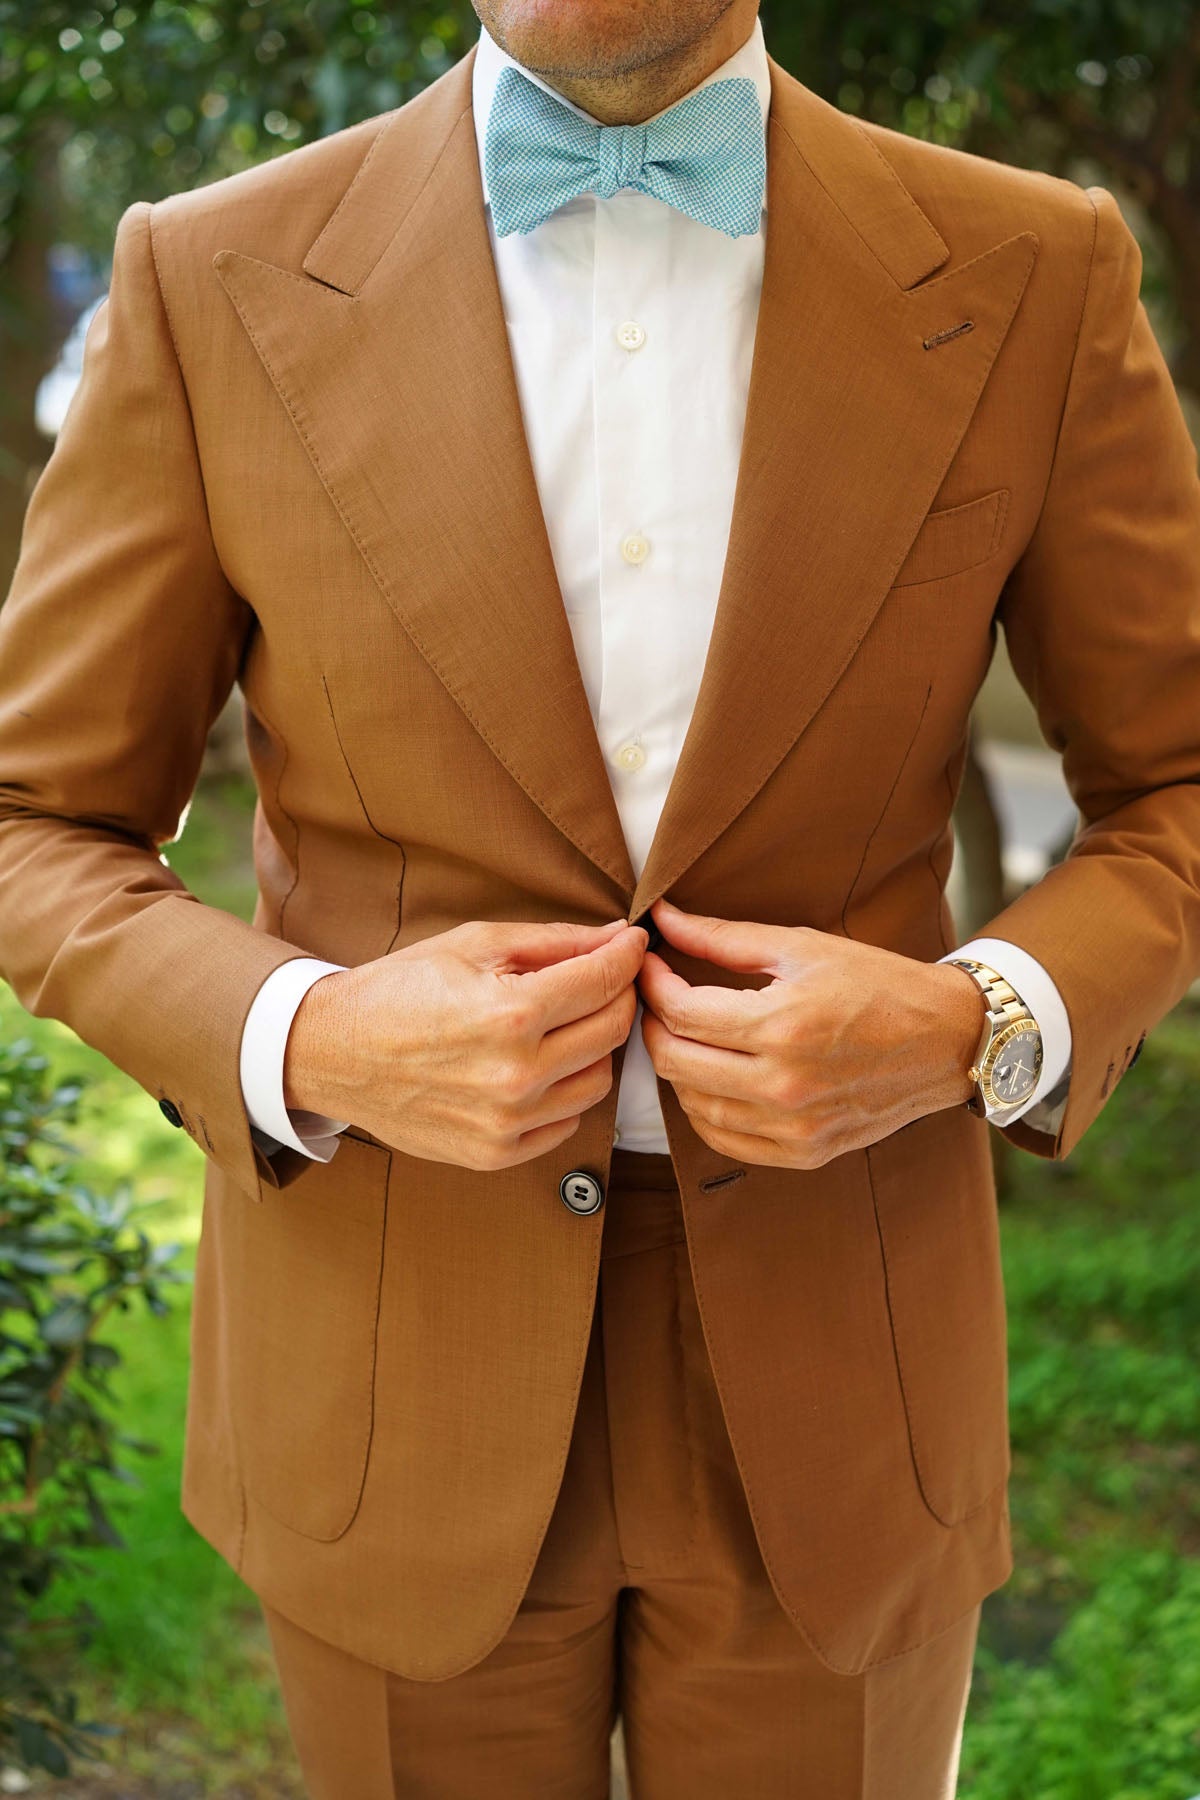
(726, 1016)
(512, 1131)
(719, 1112)
(574, 1094)
(578, 1044)
(739, 944)
(541, 1139)
(561, 1103)
(520, 947)
(585, 982)
(713, 1069)
(740, 1146)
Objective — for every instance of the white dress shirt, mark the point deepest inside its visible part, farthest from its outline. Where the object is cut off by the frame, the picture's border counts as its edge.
(631, 328)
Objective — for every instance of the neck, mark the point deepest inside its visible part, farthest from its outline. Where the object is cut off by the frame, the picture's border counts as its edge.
(633, 95)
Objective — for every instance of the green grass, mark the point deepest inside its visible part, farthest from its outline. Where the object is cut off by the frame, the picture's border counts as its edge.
(181, 1635)
(1087, 1682)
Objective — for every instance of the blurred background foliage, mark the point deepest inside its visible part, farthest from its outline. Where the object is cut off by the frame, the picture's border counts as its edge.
(1088, 1678)
(104, 103)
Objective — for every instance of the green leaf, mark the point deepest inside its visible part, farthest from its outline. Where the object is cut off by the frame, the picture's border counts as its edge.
(66, 1324)
(102, 1526)
(37, 1748)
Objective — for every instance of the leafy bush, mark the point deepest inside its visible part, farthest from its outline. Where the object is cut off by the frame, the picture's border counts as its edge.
(1115, 1712)
(68, 1256)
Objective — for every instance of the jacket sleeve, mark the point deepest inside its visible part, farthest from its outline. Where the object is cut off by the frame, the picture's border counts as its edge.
(119, 643)
(1101, 616)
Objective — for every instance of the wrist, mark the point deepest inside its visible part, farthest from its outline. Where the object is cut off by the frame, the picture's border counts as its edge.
(308, 1057)
(963, 1014)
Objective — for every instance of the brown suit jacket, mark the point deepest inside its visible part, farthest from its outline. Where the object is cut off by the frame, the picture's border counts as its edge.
(296, 461)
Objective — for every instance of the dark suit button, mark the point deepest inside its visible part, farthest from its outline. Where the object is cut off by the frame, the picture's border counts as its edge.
(170, 1111)
(647, 924)
(581, 1192)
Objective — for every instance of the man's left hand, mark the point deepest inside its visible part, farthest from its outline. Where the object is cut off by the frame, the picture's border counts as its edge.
(846, 1044)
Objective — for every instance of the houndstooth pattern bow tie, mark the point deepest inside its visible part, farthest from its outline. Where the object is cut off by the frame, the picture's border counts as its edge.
(705, 156)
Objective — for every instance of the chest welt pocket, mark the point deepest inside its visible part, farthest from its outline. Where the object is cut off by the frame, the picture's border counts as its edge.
(955, 538)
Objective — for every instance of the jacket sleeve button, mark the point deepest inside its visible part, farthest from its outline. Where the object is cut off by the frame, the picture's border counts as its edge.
(170, 1111)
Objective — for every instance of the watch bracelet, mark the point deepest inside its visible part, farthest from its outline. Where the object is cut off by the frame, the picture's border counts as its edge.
(1002, 1004)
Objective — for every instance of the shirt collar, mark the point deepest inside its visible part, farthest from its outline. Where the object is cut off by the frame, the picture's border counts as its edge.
(750, 60)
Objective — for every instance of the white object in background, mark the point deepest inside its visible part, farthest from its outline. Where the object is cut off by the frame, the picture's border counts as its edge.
(55, 389)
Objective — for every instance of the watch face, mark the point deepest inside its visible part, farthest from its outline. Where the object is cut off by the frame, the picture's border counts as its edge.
(1015, 1066)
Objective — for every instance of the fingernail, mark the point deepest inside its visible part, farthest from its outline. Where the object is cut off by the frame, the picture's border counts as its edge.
(613, 923)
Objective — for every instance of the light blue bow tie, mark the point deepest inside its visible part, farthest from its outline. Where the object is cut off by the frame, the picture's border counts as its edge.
(705, 156)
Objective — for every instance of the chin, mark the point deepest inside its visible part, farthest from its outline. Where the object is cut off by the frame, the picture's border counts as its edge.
(594, 37)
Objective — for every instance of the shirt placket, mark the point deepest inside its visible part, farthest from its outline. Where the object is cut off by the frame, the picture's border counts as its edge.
(637, 560)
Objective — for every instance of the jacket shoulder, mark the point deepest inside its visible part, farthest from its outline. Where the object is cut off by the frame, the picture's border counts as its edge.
(975, 201)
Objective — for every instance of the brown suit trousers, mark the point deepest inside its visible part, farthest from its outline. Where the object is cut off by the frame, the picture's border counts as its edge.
(649, 1599)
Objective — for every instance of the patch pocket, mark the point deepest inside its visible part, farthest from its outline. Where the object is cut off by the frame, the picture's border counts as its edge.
(935, 1207)
(955, 538)
(302, 1291)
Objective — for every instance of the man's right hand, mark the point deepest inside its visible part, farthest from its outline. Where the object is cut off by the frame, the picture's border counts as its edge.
(482, 1046)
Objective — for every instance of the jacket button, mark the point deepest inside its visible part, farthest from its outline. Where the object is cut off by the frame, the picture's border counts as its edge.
(647, 924)
(170, 1111)
(581, 1192)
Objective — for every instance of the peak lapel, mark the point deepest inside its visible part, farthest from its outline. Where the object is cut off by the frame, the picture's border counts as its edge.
(851, 425)
(391, 355)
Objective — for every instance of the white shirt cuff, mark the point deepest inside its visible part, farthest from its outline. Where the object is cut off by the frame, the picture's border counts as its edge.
(1026, 976)
(264, 1041)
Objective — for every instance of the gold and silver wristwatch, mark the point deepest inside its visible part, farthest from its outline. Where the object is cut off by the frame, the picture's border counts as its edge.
(1009, 1058)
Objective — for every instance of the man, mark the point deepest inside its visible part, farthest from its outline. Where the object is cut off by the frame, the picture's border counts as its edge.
(604, 477)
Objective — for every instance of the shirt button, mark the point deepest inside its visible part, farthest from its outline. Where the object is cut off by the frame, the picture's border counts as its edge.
(630, 335)
(634, 548)
(629, 756)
